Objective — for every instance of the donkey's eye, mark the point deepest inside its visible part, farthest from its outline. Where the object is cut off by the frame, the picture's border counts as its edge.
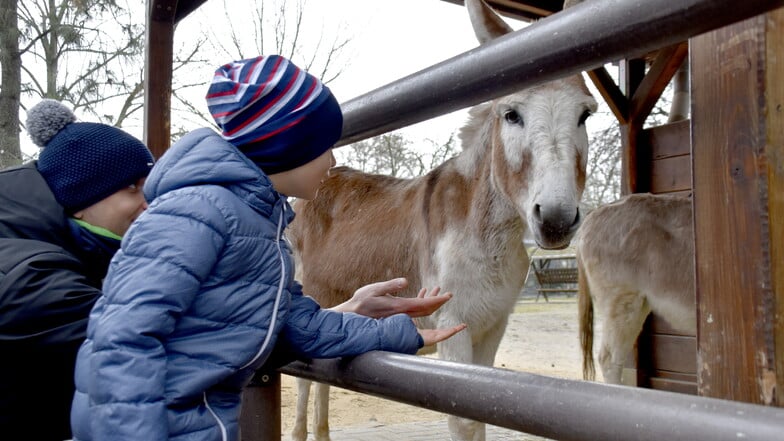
(513, 117)
(583, 117)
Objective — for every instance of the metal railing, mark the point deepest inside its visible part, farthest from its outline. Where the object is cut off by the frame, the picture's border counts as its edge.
(568, 410)
(584, 37)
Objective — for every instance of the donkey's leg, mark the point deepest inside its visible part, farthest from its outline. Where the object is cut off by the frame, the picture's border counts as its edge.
(300, 430)
(624, 317)
(458, 348)
(482, 353)
(321, 412)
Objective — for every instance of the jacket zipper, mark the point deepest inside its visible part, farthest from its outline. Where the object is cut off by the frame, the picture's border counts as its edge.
(281, 282)
(224, 435)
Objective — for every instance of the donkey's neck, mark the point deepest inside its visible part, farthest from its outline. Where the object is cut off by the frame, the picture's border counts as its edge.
(473, 164)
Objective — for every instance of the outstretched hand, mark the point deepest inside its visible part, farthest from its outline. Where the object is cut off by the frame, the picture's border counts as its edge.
(433, 336)
(377, 300)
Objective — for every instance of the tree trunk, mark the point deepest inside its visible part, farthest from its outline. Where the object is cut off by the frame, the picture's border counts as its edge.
(11, 62)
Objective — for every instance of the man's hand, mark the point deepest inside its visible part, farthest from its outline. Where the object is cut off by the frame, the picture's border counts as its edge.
(377, 300)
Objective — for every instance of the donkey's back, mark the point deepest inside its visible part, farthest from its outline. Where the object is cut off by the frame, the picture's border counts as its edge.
(359, 230)
(634, 256)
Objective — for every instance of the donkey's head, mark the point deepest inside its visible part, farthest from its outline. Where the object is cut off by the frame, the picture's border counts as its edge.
(539, 145)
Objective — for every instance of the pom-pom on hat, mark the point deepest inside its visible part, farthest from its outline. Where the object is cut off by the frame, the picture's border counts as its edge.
(84, 162)
(278, 115)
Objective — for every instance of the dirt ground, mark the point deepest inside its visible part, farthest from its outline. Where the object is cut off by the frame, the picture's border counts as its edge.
(541, 338)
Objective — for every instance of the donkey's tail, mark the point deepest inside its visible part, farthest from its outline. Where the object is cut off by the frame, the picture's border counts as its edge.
(585, 308)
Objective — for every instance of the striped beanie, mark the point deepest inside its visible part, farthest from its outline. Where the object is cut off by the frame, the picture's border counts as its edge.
(83, 162)
(278, 115)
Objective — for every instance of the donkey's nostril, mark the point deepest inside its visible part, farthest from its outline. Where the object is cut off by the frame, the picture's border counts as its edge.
(538, 212)
(576, 217)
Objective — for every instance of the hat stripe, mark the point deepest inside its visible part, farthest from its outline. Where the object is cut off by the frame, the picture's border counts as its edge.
(244, 98)
(313, 91)
(270, 109)
(252, 74)
(236, 93)
(275, 132)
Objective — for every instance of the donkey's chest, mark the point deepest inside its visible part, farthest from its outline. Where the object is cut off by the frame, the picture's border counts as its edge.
(486, 276)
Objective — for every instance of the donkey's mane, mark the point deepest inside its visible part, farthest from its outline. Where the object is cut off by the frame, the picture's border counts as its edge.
(474, 137)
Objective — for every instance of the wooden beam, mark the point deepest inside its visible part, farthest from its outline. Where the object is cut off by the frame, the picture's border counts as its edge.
(159, 55)
(738, 175)
(774, 168)
(667, 62)
(185, 7)
(527, 11)
(612, 94)
(635, 158)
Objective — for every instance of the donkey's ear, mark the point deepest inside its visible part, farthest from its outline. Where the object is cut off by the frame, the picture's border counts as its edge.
(487, 24)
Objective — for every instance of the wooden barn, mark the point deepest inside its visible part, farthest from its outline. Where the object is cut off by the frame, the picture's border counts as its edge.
(729, 156)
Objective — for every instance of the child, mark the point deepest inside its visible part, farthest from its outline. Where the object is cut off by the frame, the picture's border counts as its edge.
(61, 220)
(202, 288)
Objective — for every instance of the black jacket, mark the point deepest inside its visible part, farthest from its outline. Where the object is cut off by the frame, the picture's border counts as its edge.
(49, 281)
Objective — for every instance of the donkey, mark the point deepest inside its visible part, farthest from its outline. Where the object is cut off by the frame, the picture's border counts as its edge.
(634, 256)
(461, 226)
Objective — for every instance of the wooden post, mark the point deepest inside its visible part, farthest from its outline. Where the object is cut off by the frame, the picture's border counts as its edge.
(158, 74)
(738, 173)
(633, 178)
(260, 417)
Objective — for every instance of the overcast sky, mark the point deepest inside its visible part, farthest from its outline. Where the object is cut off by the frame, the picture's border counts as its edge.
(389, 40)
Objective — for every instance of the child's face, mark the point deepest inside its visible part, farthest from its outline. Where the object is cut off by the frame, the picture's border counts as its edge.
(117, 211)
(304, 181)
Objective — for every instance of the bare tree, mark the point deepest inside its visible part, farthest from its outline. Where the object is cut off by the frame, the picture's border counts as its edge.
(391, 154)
(603, 183)
(245, 29)
(85, 52)
(11, 64)
(276, 27)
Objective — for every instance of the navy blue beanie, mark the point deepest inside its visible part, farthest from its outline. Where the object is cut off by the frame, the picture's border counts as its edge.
(83, 162)
(277, 114)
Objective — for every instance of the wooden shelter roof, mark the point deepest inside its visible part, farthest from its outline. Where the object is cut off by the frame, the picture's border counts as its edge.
(520, 9)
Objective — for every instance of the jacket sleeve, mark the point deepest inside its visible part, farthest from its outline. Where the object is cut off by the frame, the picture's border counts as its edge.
(165, 257)
(46, 296)
(313, 332)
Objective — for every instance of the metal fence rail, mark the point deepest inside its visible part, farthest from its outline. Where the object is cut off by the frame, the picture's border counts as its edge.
(580, 38)
(561, 409)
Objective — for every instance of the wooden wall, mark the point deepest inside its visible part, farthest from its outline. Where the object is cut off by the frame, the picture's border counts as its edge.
(730, 158)
(665, 359)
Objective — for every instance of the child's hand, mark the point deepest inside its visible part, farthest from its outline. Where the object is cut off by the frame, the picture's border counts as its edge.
(433, 336)
(376, 300)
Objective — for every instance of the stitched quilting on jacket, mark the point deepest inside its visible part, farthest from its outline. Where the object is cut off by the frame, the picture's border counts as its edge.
(195, 301)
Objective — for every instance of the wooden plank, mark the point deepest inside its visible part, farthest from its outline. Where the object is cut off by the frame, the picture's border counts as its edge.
(659, 326)
(774, 153)
(736, 162)
(668, 140)
(684, 193)
(674, 353)
(673, 385)
(671, 174)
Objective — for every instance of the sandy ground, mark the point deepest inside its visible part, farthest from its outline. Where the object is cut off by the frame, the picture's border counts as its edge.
(540, 338)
